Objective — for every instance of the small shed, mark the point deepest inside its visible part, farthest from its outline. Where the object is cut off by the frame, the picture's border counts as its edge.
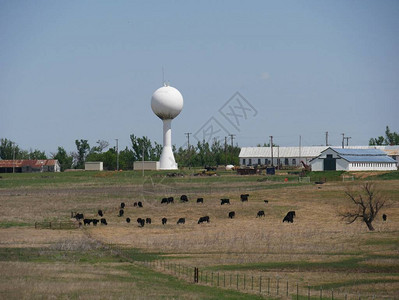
(94, 166)
(146, 165)
(340, 159)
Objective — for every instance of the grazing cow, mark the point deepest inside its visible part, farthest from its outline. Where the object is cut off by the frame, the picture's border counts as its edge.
(224, 201)
(171, 200)
(95, 221)
(164, 220)
(184, 198)
(266, 201)
(141, 222)
(384, 217)
(244, 197)
(79, 217)
(121, 212)
(128, 220)
(261, 213)
(135, 204)
(200, 200)
(139, 204)
(123, 205)
(181, 221)
(86, 221)
(232, 214)
(203, 219)
(289, 217)
(103, 221)
(100, 212)
(148, 220)
(164, 200)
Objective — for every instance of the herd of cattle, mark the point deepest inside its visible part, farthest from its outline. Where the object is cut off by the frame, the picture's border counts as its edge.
(142, 221)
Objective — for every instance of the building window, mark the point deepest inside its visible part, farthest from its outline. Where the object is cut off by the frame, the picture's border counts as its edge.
(329, 156)
(286, 161)
(250, 161)
(259, 161)
(293, 161)
(243, 161)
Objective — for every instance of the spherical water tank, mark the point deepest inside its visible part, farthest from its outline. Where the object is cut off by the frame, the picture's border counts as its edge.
(167, 102)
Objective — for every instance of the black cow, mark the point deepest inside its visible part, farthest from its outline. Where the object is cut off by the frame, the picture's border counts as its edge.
(100, 212)
(200, 200)
(266, 201)
(135, 204)
(244, 197)
(289, 217)
(139, 204)
(121, 212)
(86, 221)
(128, 220)
(224, 201)
(148, 220)
(384, 217)
(79, 216)
(164, 220)
(103, 221)
(141, 222)
(181, 221)
(261, 213)
(123, 205)
(232, 214)
(171, 200)
(203, 219)
(184, 198)
(164, 200)
(95, 221)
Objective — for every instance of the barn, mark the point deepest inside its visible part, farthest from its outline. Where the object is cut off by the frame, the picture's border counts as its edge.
(353, 160)
(292, 156)
(29, 165)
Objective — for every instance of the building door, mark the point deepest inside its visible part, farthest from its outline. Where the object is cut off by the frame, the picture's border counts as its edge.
(330, 163)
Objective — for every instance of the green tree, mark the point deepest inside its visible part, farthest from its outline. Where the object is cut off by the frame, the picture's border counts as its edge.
(83, 149)
(7, 148)
(63, 158)
(391, 138)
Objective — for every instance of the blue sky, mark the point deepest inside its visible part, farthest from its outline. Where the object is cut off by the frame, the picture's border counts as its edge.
(87, 69)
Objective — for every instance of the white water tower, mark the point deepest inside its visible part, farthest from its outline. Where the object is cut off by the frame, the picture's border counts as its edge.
(167, 103)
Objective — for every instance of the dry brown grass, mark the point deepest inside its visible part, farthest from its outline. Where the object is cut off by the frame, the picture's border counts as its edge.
(317, 234)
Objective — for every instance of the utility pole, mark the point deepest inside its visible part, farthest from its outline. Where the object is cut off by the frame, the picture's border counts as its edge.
(232, 139)
(343, 140)
(188, 139)
(300, 144)
(13, 159)
(188, 148)
(117, 154)
(225, 150)
(326, 138)
(271, 147)
(143, 160)
(347, 140)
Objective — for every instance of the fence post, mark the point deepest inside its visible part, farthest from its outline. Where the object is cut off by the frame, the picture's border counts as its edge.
(212, 279)
(237, 281)
(287, 288)
(218, 278)
(231, 278)
(252, 282)
(308, 292)
(277, 287)
(260, 284)
(244, 281)
(297, 291)
(206, 278)
(268, 286)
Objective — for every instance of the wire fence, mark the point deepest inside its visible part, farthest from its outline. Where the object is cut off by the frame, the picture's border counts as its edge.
(261, 285)
(56, 225)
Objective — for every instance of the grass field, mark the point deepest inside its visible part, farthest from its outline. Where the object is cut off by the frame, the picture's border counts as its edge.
(317, 255)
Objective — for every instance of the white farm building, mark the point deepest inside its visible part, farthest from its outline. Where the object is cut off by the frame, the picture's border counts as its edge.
(353, 160)
(292, 156)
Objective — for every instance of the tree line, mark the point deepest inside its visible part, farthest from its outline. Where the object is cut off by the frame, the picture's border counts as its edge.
(200, 155)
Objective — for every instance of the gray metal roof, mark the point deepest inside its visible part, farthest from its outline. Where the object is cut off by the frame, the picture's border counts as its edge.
(368, 159)
(359, 152)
